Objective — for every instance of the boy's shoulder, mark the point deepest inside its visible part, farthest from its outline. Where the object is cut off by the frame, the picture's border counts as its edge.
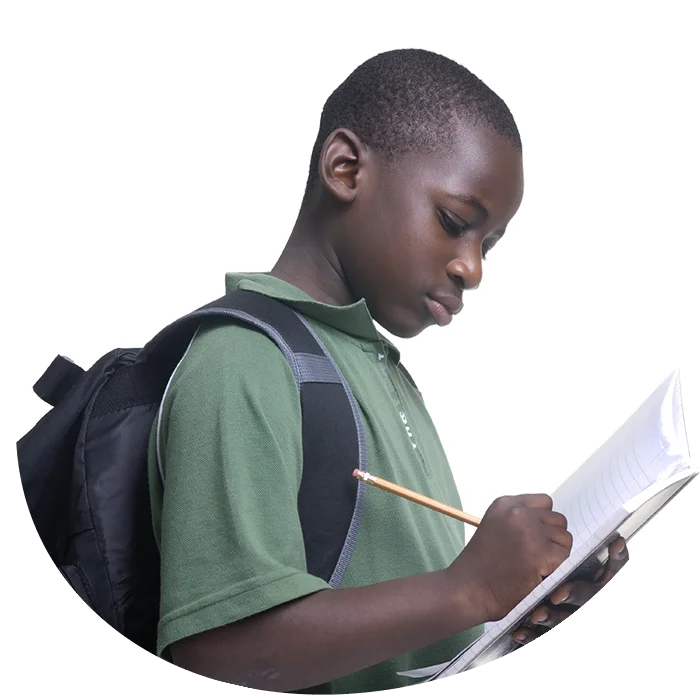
(231, 354)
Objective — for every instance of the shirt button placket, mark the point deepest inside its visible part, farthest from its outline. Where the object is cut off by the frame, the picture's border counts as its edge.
(382, 358)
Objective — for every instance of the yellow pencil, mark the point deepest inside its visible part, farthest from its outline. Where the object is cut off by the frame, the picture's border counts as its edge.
(416, 497)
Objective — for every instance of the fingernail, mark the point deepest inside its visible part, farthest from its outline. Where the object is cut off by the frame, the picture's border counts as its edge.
(560, 600)
(519, 637)
(622, 553)
(540, 618)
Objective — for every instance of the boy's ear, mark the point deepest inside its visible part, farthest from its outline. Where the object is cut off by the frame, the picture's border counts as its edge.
(342, 157)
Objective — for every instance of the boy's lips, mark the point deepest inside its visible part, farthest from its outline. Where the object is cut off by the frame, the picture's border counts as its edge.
(443, 308)
(452, 303)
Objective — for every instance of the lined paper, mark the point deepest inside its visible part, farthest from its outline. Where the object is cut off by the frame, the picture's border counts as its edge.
(649, 447)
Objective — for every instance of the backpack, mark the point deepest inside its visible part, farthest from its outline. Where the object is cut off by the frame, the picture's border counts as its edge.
(84, 465)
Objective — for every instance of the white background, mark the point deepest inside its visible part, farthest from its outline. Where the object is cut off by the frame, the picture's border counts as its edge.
(149, 148)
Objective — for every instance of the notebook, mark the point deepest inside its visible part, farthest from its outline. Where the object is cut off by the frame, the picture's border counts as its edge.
(619, 488)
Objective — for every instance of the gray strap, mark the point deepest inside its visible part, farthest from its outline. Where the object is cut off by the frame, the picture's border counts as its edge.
(353, 531)
(314, 368)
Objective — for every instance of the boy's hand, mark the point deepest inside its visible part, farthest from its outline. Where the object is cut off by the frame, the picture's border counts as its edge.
(572, 595)
(519, 542)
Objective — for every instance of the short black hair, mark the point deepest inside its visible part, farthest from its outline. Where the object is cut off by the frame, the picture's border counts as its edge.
(406, 101)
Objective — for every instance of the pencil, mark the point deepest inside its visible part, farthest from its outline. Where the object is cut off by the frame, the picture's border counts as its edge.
(416, 497)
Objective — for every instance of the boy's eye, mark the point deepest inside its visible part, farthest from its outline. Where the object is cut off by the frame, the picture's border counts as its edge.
(457, 230)
(452, 223)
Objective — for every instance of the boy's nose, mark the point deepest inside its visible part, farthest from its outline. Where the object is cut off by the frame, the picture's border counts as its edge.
(466, 271)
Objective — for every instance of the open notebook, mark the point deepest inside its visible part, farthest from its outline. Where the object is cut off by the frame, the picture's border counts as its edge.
(615, 492)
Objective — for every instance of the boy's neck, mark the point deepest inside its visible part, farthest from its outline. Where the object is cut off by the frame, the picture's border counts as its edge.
(309, 262)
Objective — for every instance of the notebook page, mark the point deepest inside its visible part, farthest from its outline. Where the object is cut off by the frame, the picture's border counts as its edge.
(648, 448)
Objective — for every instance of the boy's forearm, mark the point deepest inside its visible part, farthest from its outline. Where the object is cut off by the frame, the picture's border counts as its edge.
(331, 633)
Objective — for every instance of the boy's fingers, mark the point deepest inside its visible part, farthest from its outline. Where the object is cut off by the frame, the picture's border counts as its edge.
(550, 616)
(553, 518)
(619, 552)
(537, 500)
(525, 635)
(544, 617)
(617, 547)
(539, 615)
(619, 556)
(574, 593)
(561, 537)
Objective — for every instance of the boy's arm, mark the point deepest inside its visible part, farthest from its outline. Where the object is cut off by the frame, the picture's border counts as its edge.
(329, 634)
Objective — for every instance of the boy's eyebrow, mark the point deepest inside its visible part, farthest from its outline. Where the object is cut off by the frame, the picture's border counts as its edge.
(471, 201)
(475, 202)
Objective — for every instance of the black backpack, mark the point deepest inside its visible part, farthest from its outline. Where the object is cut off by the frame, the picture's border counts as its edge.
(84, 465)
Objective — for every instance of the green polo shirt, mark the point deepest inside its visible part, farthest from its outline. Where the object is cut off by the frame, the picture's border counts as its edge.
(226, 519)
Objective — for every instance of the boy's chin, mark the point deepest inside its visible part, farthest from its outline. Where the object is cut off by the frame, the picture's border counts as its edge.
(402, 327)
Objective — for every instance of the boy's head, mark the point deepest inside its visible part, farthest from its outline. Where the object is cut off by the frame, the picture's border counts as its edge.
(416, 171)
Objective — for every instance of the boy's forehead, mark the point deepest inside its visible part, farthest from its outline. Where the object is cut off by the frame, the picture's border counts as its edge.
(477, 162)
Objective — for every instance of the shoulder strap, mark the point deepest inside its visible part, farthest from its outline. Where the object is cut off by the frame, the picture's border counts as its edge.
(330, 499)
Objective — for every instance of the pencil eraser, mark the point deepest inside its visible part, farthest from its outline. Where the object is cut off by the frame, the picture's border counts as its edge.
(356, 473)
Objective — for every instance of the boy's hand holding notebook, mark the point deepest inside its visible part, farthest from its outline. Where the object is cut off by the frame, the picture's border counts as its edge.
(535, 560)
(572, 595)
(520, 541)
(606, 501)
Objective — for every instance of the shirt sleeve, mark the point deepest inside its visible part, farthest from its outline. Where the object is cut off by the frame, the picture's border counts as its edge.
(230, 438)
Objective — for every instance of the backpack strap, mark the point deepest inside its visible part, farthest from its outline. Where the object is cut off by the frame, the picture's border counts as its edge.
(330, 500)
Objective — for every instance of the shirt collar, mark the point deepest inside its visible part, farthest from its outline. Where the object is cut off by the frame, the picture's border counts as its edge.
(353, 319)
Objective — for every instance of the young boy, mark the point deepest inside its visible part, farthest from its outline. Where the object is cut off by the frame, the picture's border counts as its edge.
(415, 174)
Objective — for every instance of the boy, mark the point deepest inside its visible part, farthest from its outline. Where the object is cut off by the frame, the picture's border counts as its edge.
(415, 174)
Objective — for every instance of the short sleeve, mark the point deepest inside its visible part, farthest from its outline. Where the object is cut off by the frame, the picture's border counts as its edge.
(228, 528)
